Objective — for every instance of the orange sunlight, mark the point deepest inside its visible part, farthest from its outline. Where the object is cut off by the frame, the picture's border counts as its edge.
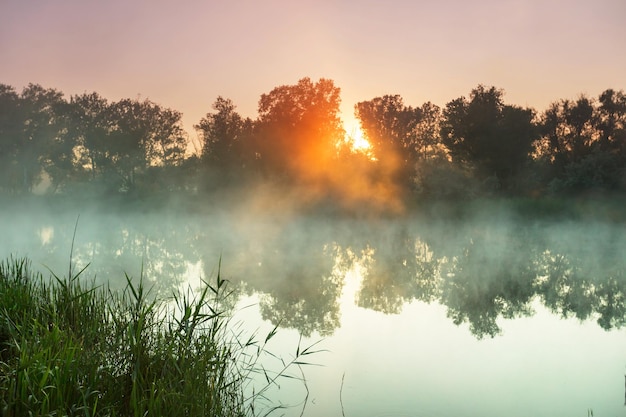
(357, 141)
(363, 183)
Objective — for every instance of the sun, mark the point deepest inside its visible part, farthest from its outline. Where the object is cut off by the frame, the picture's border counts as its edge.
(359, 143)
(356, 139)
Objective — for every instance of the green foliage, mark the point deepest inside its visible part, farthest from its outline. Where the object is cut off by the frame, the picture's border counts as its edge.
(10, 132)
(298, 128)
(227, 142)
(585, 143)
(443, 180)
(389, 125)
(139, 148)
(391, 129)
(481, 288)
(596, 171)
(33, 137)
(71, 349)
(483, 131)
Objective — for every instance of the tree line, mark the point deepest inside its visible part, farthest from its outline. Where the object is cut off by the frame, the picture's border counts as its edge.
(473, 146)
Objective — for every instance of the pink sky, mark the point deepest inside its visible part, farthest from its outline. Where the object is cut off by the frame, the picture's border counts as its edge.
(184, 54)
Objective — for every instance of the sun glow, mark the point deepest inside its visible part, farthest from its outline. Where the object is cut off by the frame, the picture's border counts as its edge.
(357, 141)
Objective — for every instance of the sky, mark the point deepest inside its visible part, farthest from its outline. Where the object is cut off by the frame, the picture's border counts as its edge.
(184, 54)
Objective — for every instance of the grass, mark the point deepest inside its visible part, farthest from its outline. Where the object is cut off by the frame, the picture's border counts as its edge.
(71, 349)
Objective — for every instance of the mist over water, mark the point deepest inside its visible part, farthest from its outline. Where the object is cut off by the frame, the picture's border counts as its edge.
(477, 292)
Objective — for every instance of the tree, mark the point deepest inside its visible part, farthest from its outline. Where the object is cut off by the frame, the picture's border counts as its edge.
(496, 138)
(567, 130)
(43, 142)
(226, 139)
(584, 142)
(299, 129)
(427, 142)
(91, 125)
(143, 135)
(10, 134)
(60, 160)
(390, 127)
(611, 122)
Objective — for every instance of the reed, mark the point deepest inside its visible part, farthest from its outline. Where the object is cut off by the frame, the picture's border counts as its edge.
(76, 349)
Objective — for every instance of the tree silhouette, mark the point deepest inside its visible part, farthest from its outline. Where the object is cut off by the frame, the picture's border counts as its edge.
(143, 135)
(483, 131)
(226, 140)
(41, 141)
(567, 130)
(91, 127)
(390, 127)
(11, 128)
(299, 129)
(583, 143)
(611, 121)
(428, 142)
(298, 139)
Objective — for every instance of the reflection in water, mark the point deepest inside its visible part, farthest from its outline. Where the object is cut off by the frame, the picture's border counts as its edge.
(568, 288)
(397, 296)
(307, 298)
(492, 277)
(482, 272)
(405, 271)
(46, 233)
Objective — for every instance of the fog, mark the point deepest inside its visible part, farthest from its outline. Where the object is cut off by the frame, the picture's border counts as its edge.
(483, 263)
(478, 275)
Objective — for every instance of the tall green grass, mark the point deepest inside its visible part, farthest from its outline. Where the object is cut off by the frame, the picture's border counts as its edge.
(73, 349)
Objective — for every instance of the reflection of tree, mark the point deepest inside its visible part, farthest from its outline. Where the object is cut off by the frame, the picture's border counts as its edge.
(114, 245)
(155, 253)
(562, 287)
(380, 290)
(481, 272)
(292, 263)
(401, 272)
(307, 296)
(493, 277)
(612, 302)
(568, 287)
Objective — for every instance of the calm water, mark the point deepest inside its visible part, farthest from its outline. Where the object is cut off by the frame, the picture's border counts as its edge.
(488, 316)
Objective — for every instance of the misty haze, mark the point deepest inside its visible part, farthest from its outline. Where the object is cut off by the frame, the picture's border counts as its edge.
(466, 260)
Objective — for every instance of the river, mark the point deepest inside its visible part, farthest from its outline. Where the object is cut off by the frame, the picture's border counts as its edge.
(425, 315)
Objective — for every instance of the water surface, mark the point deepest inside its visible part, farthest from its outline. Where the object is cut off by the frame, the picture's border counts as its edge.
(486, 315)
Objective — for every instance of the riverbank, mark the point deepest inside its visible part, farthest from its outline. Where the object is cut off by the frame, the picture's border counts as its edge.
(69, 348)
